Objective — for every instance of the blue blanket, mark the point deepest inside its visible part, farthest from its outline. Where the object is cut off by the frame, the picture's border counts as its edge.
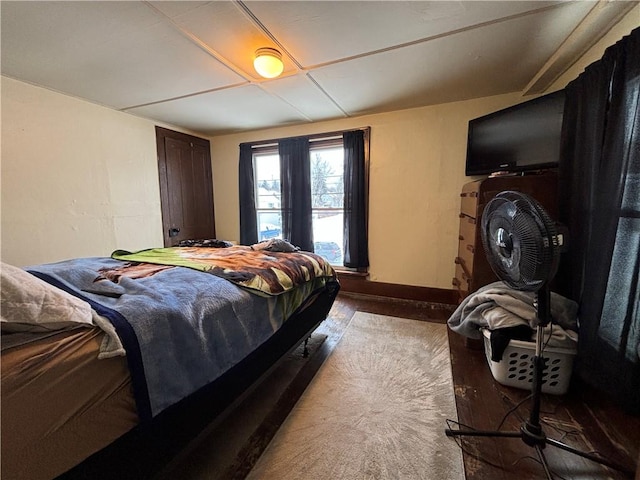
(181, 328)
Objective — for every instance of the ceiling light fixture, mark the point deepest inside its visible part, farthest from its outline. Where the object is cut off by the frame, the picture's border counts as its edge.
(268, 62)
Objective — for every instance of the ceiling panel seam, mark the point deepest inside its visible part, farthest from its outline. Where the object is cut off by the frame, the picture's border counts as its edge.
(256, 21)
(331, 99)
(180, 97)
(300, 112)
(203, 45)
(432, 37)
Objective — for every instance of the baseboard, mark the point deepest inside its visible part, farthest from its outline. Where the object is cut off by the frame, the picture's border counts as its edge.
(359, 284)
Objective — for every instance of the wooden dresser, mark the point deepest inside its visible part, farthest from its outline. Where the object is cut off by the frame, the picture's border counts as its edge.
(472, 268)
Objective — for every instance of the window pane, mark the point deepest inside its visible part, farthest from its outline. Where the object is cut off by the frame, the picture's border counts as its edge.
(267, 174)
(327, 235)
(327, 193)
(269, 225)
(327, 171)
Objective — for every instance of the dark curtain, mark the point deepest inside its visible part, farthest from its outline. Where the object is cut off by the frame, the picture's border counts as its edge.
(356, 249)
(600, 203)
(248, 220)
(295, 185)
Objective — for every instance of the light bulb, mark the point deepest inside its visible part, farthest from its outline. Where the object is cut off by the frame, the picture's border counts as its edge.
(268, 62)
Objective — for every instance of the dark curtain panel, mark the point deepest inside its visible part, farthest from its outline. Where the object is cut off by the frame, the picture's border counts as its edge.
(600, 203)
(248, 220)
(295, 184)
(356, 248)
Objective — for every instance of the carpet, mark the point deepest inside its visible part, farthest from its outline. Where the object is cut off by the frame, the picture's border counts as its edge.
(376, 409)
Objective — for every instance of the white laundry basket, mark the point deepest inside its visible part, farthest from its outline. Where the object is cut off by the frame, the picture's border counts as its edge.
(516, 367)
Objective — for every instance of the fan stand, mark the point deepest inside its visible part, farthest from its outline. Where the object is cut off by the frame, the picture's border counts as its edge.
(531, 431)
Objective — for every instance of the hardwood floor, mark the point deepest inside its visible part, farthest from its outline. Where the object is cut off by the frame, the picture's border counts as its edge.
(582, 418)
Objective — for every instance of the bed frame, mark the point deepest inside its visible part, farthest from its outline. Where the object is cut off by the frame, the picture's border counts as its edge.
(145, 450)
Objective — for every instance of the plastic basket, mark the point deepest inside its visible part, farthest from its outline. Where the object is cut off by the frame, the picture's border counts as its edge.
(516, 367)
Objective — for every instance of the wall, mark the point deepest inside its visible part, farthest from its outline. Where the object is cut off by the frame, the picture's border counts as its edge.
(77, 179)
(417, 172)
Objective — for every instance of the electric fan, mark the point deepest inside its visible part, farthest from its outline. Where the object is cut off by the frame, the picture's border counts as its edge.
(523, 247)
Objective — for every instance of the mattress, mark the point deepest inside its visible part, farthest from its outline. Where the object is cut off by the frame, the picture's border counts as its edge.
(47, 418)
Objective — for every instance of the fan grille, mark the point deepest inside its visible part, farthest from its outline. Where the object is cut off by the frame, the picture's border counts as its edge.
(520, 240)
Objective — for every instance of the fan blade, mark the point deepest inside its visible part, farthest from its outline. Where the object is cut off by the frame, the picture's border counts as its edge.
(520, 240)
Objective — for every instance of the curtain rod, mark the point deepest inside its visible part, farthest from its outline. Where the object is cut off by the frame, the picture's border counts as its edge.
(315, 137)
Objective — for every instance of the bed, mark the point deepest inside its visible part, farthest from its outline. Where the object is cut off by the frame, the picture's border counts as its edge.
(107, 361)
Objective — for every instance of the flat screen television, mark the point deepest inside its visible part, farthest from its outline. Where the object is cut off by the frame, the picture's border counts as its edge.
(516, 139)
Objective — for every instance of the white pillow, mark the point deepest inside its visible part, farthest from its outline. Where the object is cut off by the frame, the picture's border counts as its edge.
(30, 304)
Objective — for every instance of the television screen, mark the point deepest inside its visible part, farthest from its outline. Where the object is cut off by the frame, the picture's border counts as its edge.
(519, 138)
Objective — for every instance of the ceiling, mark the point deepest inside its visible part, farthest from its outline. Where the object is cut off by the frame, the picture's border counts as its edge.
(189, 64)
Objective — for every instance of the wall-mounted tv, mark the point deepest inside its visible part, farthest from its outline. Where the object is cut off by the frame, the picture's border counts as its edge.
(516, 139)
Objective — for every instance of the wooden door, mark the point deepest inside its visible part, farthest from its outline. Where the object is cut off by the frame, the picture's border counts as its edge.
(186, 187)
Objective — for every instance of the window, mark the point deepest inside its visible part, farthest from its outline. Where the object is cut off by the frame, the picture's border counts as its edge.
(267, 175)
(311, 190)
(327, 196)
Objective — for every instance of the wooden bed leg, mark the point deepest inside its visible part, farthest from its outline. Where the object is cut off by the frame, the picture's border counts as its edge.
(305, 352)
